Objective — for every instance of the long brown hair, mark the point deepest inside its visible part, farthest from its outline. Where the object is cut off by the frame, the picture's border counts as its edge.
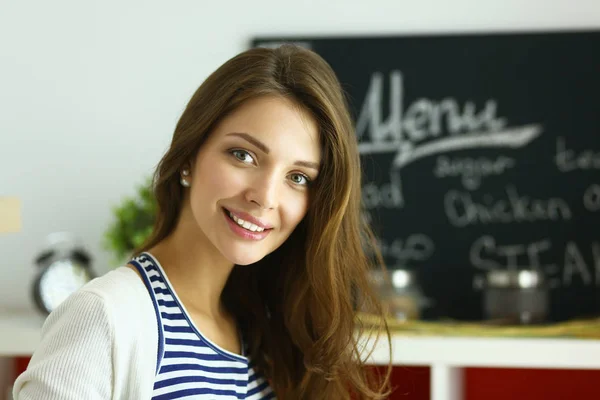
(297, 306)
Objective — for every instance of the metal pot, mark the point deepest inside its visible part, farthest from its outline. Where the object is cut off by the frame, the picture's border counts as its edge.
(400, 293)
(515, 296)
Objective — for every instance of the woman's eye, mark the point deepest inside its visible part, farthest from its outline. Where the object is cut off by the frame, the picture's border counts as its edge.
(243, 156)
(300, 179)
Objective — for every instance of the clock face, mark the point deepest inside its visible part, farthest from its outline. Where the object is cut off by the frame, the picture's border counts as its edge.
(60, 280)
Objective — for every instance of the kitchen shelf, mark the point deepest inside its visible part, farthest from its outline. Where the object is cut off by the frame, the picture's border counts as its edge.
(19, 332)
(447, 356)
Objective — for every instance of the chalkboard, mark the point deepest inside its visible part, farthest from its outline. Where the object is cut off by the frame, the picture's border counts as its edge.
(480, 151)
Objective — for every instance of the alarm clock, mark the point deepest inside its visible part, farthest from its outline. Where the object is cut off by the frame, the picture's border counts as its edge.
(62, 271)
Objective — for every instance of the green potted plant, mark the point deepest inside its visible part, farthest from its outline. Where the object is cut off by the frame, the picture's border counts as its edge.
(133, 222)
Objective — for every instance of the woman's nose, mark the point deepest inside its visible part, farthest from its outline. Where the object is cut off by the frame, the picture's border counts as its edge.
(264, 191)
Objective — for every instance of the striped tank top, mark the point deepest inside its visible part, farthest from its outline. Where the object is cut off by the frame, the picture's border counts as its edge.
(189, 366)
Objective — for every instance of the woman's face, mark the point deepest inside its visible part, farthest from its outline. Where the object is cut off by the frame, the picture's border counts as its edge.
(251, 179)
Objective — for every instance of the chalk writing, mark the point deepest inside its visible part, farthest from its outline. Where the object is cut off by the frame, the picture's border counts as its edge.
(471, 170)
(385, 196)
(591, 198)
(422, 119)
(575, 265)
(463, 210)
(567, 160)
(427, 127)
(416, 247)
(486, 254)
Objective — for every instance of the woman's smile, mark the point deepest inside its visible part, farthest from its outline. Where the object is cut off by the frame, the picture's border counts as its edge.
(246, 229)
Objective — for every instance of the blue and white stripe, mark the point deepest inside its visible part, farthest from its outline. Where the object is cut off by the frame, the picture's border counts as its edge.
(188, 364)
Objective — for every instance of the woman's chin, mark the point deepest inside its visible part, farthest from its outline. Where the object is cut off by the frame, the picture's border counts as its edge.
(246, 259)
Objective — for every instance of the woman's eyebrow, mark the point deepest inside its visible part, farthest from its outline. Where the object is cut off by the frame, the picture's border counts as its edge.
(263, 147)
(307, 164)
(252, 140)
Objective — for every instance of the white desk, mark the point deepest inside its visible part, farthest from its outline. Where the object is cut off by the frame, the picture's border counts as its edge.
(447, 356)
(19, 333)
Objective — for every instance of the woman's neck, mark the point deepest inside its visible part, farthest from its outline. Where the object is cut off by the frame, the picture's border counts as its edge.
(195, 268)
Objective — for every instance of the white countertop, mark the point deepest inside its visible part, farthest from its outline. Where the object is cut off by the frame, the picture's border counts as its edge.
(20, 334)
(490, 352)
(447, 356)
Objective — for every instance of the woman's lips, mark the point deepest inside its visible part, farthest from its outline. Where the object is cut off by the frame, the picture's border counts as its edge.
(243, 232)
(250, 218)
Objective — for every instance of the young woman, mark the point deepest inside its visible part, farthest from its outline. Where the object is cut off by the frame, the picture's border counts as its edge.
(249, 285)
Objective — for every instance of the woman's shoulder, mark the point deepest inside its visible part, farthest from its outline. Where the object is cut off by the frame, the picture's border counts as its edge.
(101, 340)
(123, 293)
(123, 281)
(116, 298)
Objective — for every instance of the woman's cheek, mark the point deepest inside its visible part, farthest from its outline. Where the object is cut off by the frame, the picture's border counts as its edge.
(297, 206)
(228, 179)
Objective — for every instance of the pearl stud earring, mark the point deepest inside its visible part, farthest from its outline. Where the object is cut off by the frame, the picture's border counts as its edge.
(184, 182)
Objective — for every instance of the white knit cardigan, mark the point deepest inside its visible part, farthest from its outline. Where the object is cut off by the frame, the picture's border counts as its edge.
(101, 343)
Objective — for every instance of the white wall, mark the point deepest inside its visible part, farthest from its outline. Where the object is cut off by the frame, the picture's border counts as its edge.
(90, 91)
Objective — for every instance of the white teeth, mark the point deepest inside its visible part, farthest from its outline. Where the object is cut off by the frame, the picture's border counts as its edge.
(246, 225)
